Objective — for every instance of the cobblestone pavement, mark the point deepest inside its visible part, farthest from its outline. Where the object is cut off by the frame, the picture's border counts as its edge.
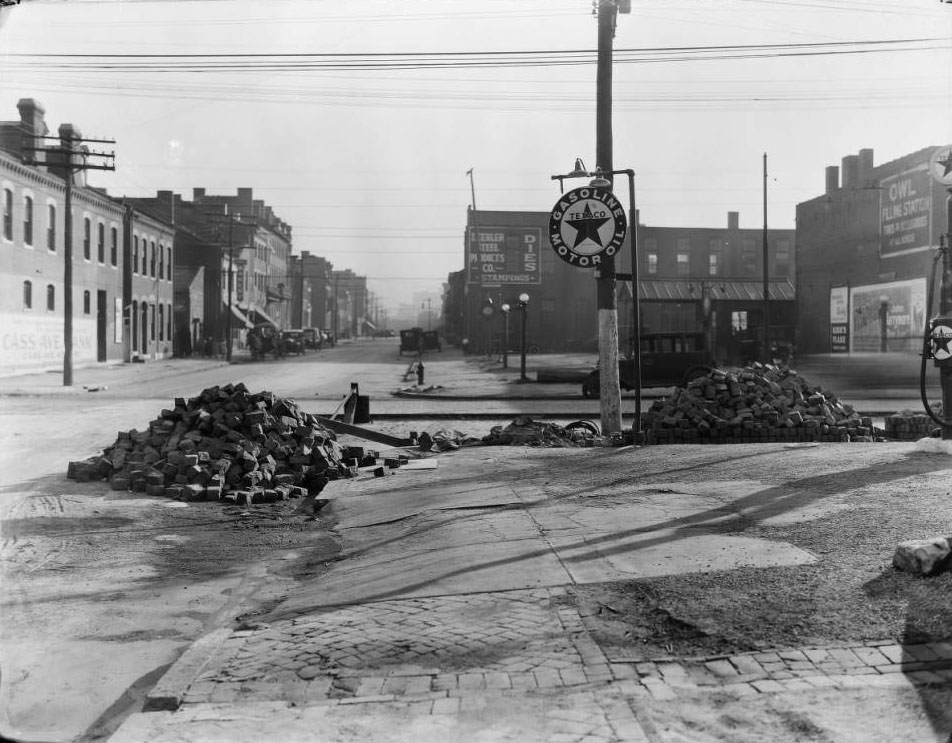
(469, 654)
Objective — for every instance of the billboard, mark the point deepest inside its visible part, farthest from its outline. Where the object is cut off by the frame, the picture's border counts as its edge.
(31, 341)
(888, 316)
(503, 255)
(905, 212)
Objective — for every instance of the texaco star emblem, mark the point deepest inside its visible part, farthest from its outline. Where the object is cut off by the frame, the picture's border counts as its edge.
(941, 165)
(586, 224)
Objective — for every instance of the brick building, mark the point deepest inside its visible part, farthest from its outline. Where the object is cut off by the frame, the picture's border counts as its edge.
(114, 295)
(311, 291)
(690, 280)
(864, 253)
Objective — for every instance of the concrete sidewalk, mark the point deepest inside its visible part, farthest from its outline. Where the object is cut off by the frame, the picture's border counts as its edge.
(449, 616)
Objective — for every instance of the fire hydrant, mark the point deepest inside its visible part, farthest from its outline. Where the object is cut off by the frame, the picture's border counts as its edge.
(419, 373)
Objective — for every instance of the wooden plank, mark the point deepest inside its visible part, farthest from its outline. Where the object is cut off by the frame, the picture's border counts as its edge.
(363, 433)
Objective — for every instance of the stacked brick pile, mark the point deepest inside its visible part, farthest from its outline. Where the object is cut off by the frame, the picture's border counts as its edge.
(753, 404)
(908, 425)
(225, 444)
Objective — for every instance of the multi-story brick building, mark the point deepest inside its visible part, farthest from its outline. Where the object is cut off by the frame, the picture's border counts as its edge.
(690, 280)
(864, 253)
(311, 291)
(113, 294)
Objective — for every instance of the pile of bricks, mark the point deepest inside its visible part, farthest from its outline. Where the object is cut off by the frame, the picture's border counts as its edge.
(908, 425)
(225, 444)
(756, 403)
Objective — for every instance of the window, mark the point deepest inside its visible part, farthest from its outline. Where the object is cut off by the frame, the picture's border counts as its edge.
(152, 263)
(168, 320)
(50, 297)
(27, 220)
(714, 257)
(739, 321)
(168, 263)
(145, 257)
(101, 242)
(749, 257)
(27, 295)
(652, 263)
(135, 254)
(782, 258)
(7, 214)
(114, 246)
(87, 239)
(152, 325)
(712, 264)
(161, 322)
(86, 302)
(684, 264)
(161, 261)
(51, 227)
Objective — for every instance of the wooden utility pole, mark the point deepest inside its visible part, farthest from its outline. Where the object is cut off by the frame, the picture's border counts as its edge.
(609, 388)
(765, 351)
(64, 155)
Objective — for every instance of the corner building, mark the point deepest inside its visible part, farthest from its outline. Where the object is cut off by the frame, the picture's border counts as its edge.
(865, 250)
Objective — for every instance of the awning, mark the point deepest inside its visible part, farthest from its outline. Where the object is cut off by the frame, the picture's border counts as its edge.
(241, 316)
(685, 290)
(260, 315)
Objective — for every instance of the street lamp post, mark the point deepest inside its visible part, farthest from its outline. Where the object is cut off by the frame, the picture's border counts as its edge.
(505, 342)
(523, 305)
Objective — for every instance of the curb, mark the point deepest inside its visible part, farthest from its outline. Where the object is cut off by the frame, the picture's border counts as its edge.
(168, 693)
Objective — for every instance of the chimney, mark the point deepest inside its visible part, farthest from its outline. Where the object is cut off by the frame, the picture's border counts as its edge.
(865, 167)
(32, 126)
(198, 194)
(832, 178)
(733, 220)
(851, 171)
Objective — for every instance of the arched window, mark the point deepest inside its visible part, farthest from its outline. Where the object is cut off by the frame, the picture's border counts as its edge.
(135, 254)
(114, 246)
(50, 297)
(145, 257)
(27, 220)
(101, 242)
(161, 262)
(27, 295)
(86, 302)
(168, 263)
(152, 263)
(87, 239)
(152, 324)
(51, 227)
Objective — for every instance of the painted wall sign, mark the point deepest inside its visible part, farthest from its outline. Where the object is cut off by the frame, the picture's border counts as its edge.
(503, 255)
(905, 212)
(940, 164)
(839, 319)
(587, 223)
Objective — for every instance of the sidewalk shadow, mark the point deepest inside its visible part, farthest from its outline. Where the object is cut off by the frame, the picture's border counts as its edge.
(922, 625)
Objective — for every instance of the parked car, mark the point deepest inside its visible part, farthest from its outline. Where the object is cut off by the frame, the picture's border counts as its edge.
(329, 338)
(431, 341)
(667, 360)
(313, 338)
(292, 341)
(411, 340)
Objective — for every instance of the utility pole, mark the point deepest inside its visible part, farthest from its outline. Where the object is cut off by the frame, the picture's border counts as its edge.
(232, 221)
(765, 352)
(64, 157)
(610, 389)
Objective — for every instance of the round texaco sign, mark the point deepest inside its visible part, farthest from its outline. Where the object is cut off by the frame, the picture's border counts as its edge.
(586, 224)
(941, 165)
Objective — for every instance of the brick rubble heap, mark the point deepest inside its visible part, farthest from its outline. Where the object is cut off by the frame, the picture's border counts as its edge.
(224, 444)
(760, 402)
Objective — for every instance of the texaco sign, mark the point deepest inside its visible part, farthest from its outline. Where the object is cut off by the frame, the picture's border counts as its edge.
(585, 224)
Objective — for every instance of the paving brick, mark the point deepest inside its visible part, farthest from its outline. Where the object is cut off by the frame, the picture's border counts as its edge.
(469, 681)
(768, 657)
(796, 684)
(889, 668)
(498, 680)
(746, 664)
(369, 700)
(844, 657)
(721, 668)
(646, 669)
(370, 686)
(547, 678)
(523, 680)
(445, 681)
(573, 677)
(925, 677)
(870, 656)
(860, 671)
(817, 655)
(623, 671)
(919, 653)
(672, 670)
(791, 655)
(767, 686)
(893, 652)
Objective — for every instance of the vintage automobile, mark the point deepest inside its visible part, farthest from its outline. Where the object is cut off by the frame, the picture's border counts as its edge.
(313, 338)
(431, 341)
(667, 360)
(292, 341)
(411, 340)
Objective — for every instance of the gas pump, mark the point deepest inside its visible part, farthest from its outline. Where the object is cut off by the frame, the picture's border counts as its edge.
(937, 339)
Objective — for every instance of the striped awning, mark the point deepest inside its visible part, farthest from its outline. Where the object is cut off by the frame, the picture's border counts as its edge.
(668, 290)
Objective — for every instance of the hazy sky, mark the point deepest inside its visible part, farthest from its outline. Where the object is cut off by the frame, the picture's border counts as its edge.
(366, 156)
